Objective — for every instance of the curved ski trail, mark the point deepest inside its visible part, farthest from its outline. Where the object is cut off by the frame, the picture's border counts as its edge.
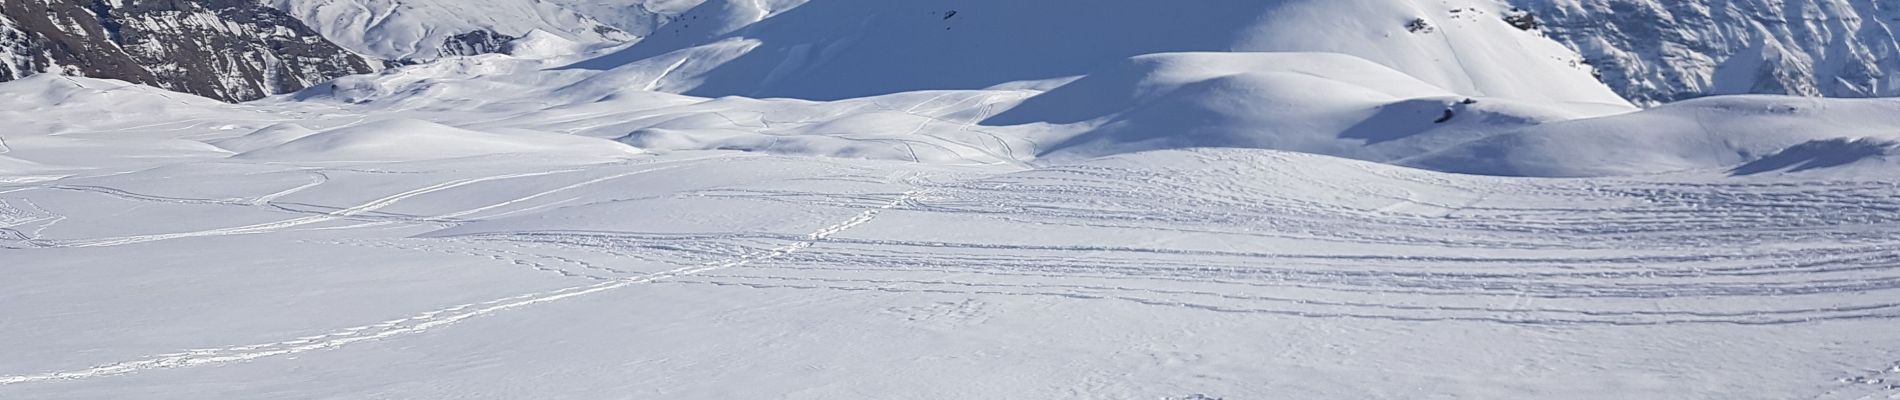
(441, 317)
(372, 205)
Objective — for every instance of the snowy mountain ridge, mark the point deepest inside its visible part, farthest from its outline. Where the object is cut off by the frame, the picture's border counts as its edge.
(1647, 51)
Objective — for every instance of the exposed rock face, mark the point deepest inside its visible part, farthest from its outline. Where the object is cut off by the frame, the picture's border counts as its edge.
(1654, 51)
(475, 42)
(64, 35)
(231, 50)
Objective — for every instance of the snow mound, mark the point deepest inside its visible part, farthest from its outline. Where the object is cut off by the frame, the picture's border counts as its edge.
(1703, 134)
(51, 102)
(1830, 156)
(1322, 103)
(843, 48)
(273, 135)
(410, 139)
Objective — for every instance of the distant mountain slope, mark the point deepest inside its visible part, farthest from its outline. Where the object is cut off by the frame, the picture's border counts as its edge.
(427, 29)
(1655, 51)
(636, 17)
(225, 49)
(833, 49)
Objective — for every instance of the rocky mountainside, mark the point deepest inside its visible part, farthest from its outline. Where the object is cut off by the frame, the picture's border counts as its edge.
(421, 30)
(1656, 51)
(231, 50)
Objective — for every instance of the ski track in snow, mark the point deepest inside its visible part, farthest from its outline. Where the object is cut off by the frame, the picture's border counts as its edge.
(442, 317)
(1673, 260)
(360, 209)
(1284, 240)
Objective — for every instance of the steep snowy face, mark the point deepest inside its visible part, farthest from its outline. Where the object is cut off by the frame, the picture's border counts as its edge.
(230, 50)
(852, 48)
(428, 29)
(1655, 51)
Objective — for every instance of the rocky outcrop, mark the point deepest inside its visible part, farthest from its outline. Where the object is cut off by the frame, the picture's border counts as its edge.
(231, 50)
(65, 36)
(475, 42)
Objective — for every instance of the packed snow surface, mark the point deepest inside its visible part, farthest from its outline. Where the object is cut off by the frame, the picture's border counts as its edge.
(1188, 215)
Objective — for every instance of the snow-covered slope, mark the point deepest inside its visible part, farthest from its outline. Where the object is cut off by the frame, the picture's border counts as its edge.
(1324, 103)
(422, 29)
(1656, 51)
(1311, 102)
(845, 48)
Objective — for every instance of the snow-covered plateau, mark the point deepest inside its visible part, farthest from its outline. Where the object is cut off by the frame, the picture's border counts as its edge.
(985, 199)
